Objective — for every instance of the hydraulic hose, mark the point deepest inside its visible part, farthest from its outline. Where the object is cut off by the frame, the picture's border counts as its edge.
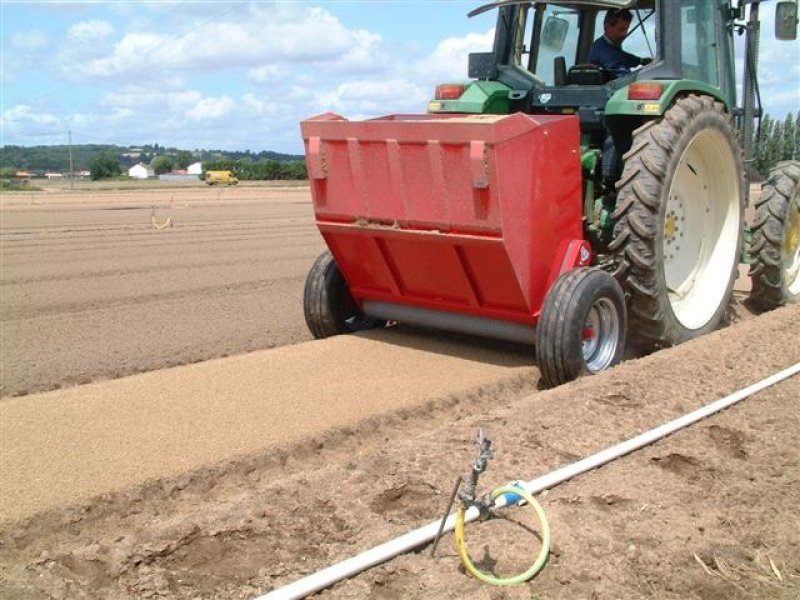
(541, 559)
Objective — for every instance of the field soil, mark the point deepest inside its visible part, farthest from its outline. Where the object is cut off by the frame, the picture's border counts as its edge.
(168, 429)
(99, 284)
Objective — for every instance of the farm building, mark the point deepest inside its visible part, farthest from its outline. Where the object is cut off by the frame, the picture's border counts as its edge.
(141, 171)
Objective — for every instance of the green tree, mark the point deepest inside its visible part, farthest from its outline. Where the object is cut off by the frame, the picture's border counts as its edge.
(774, 146)
(296, 170)
(104, 166)
(163, 163)
(797, 137)
(789, 138)
(183, 159)
(764, 133)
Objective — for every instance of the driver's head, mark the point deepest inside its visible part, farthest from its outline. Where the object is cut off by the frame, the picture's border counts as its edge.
(616, 24)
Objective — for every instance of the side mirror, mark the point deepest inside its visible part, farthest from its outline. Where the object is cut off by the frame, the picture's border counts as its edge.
(786, 20)
(554, 33)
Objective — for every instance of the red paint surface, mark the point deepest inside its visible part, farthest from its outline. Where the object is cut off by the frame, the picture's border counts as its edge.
(470, 214)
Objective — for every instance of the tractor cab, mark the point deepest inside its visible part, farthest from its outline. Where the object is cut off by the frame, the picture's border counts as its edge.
(541, 61)
(544, 61)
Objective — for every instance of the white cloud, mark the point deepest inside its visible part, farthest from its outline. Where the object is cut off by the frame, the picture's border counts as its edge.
(211, 108)
(258, 108)
(91, 31)
(373, 97)
(126, 57)
(365, 55)
(450, 57)
(147, 100)
(29, 40)
(266, 74)
(276, 33)
(23, 114)
(25, 50)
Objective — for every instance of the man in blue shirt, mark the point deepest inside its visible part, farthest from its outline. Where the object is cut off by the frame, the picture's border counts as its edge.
(607, 50)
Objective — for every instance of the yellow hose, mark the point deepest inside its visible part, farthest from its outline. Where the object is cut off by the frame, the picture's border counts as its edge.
(461, 542)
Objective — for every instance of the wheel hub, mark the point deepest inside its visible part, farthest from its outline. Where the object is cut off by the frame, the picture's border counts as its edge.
(673, 227)
(599, 335)
(791, 248)
(701, 229)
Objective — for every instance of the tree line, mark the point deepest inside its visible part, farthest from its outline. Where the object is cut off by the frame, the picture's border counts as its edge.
(105, 166)
(777, 141)
(261, 169)
(110, 160)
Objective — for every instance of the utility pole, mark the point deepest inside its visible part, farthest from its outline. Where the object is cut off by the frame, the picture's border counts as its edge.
(71, 166)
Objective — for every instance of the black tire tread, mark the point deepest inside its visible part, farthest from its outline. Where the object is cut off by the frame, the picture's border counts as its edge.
(639, 205)
(769, 289)
(317, 309)
(558, 358)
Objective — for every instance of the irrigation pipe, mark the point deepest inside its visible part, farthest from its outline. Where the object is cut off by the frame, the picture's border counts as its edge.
(400, 545)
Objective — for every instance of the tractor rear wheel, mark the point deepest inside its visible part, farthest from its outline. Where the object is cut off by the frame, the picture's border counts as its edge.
(775, 244)
(328, 305)
(582, 326)
(678, 223)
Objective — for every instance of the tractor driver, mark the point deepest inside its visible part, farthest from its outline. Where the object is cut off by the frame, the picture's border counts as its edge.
(607, 50)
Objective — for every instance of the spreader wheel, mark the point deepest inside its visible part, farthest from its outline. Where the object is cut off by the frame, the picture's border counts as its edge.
(582, 326)
(327, 303)
(775, 244)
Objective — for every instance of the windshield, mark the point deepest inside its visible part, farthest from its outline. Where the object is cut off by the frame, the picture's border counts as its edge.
(568, 22)
(549, 34)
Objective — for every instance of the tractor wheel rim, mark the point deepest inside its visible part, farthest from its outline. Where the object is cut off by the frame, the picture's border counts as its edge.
(600, 335)
(701, 228)
(791, 250)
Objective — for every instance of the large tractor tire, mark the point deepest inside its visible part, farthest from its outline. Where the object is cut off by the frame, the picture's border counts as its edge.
(678, 223)
(581, 329)
(328, 305)
(775, 243)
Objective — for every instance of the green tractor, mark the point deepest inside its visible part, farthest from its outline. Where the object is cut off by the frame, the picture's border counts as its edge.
(572, 194)
(664, 146)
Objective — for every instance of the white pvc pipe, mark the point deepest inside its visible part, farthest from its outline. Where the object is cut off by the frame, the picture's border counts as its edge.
(379, 554)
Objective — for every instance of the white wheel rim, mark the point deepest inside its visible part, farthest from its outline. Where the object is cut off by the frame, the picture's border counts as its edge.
(600, 335)
(701, 228)
(791, 248)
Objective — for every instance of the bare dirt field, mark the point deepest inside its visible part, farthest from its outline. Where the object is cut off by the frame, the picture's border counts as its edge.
(231, 477)
(103, 283)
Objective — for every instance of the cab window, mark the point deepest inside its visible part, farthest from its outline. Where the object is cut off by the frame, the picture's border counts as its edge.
(560, 24)
(698, 41)
(641, 40)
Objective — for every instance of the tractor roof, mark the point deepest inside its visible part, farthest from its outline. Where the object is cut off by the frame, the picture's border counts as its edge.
(602, 4)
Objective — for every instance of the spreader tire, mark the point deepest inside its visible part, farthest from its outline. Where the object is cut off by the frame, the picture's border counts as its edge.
(678, 223)
(775, 243)
(582, 326)
(327, 303)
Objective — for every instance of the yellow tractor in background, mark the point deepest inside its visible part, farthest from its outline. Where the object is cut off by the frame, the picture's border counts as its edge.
(220, 178)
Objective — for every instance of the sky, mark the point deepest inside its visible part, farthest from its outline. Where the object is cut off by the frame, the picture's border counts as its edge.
(241, 75)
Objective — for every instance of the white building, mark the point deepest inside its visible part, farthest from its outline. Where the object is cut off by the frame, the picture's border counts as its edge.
(141, 171)
(196, 168)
